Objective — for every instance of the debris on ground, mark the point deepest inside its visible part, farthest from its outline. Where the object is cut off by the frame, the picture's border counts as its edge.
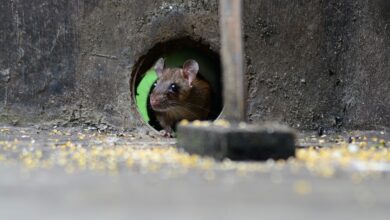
(77, 150)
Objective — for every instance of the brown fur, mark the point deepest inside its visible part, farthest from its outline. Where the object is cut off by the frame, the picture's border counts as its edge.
(192, 102)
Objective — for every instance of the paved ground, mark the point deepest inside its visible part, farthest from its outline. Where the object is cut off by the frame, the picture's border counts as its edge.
(76, 173)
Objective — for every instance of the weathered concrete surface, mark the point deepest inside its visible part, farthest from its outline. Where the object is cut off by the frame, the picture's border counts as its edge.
(38, 51)
(71, 63)
(309, 63)
(319, 63)
(55, 195)
(174, 190)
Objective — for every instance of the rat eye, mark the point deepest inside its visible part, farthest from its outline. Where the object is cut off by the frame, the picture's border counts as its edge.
(173, 87)
(155, 84)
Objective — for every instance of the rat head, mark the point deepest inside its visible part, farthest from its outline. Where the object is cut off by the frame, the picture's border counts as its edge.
(173, 85)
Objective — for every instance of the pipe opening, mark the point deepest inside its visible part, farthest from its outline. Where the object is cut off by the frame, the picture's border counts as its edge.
(176, 53)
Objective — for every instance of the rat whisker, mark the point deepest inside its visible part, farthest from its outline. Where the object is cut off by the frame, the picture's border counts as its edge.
(191, 105)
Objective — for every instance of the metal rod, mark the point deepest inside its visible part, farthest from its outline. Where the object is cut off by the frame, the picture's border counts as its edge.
(232, 59)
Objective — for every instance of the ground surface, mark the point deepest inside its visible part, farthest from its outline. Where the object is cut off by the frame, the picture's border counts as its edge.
(75, 173)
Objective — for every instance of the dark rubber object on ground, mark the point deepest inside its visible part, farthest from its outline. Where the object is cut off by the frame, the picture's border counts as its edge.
(248, 142)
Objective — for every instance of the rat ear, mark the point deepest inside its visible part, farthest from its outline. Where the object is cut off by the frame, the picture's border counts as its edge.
(159, 66)
(190, 70)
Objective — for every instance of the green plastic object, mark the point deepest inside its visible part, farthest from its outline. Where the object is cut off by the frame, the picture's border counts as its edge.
(143, 91)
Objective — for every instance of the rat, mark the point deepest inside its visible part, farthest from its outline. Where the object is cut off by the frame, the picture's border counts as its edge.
(179, 93)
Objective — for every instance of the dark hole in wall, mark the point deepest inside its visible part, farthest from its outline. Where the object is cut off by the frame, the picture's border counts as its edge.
(177, 51)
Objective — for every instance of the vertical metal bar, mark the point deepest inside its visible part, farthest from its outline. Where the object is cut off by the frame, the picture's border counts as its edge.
(232, 59)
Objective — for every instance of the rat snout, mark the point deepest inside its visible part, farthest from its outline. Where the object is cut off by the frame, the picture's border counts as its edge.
(158, 102)
(154, 101)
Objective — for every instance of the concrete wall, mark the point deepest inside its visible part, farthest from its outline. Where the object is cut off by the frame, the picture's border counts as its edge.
(309, 63)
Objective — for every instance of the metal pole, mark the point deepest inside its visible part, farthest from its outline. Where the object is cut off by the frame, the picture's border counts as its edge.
(232, 59)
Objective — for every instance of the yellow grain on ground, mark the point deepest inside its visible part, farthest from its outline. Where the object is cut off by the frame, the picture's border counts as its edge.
(78, 154)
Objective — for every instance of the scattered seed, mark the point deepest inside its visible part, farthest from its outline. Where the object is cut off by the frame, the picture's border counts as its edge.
(302, 187)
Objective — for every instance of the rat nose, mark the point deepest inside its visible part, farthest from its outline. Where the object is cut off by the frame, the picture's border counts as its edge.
(154, 101)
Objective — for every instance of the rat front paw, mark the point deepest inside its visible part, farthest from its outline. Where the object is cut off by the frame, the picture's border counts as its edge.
(166, 134)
